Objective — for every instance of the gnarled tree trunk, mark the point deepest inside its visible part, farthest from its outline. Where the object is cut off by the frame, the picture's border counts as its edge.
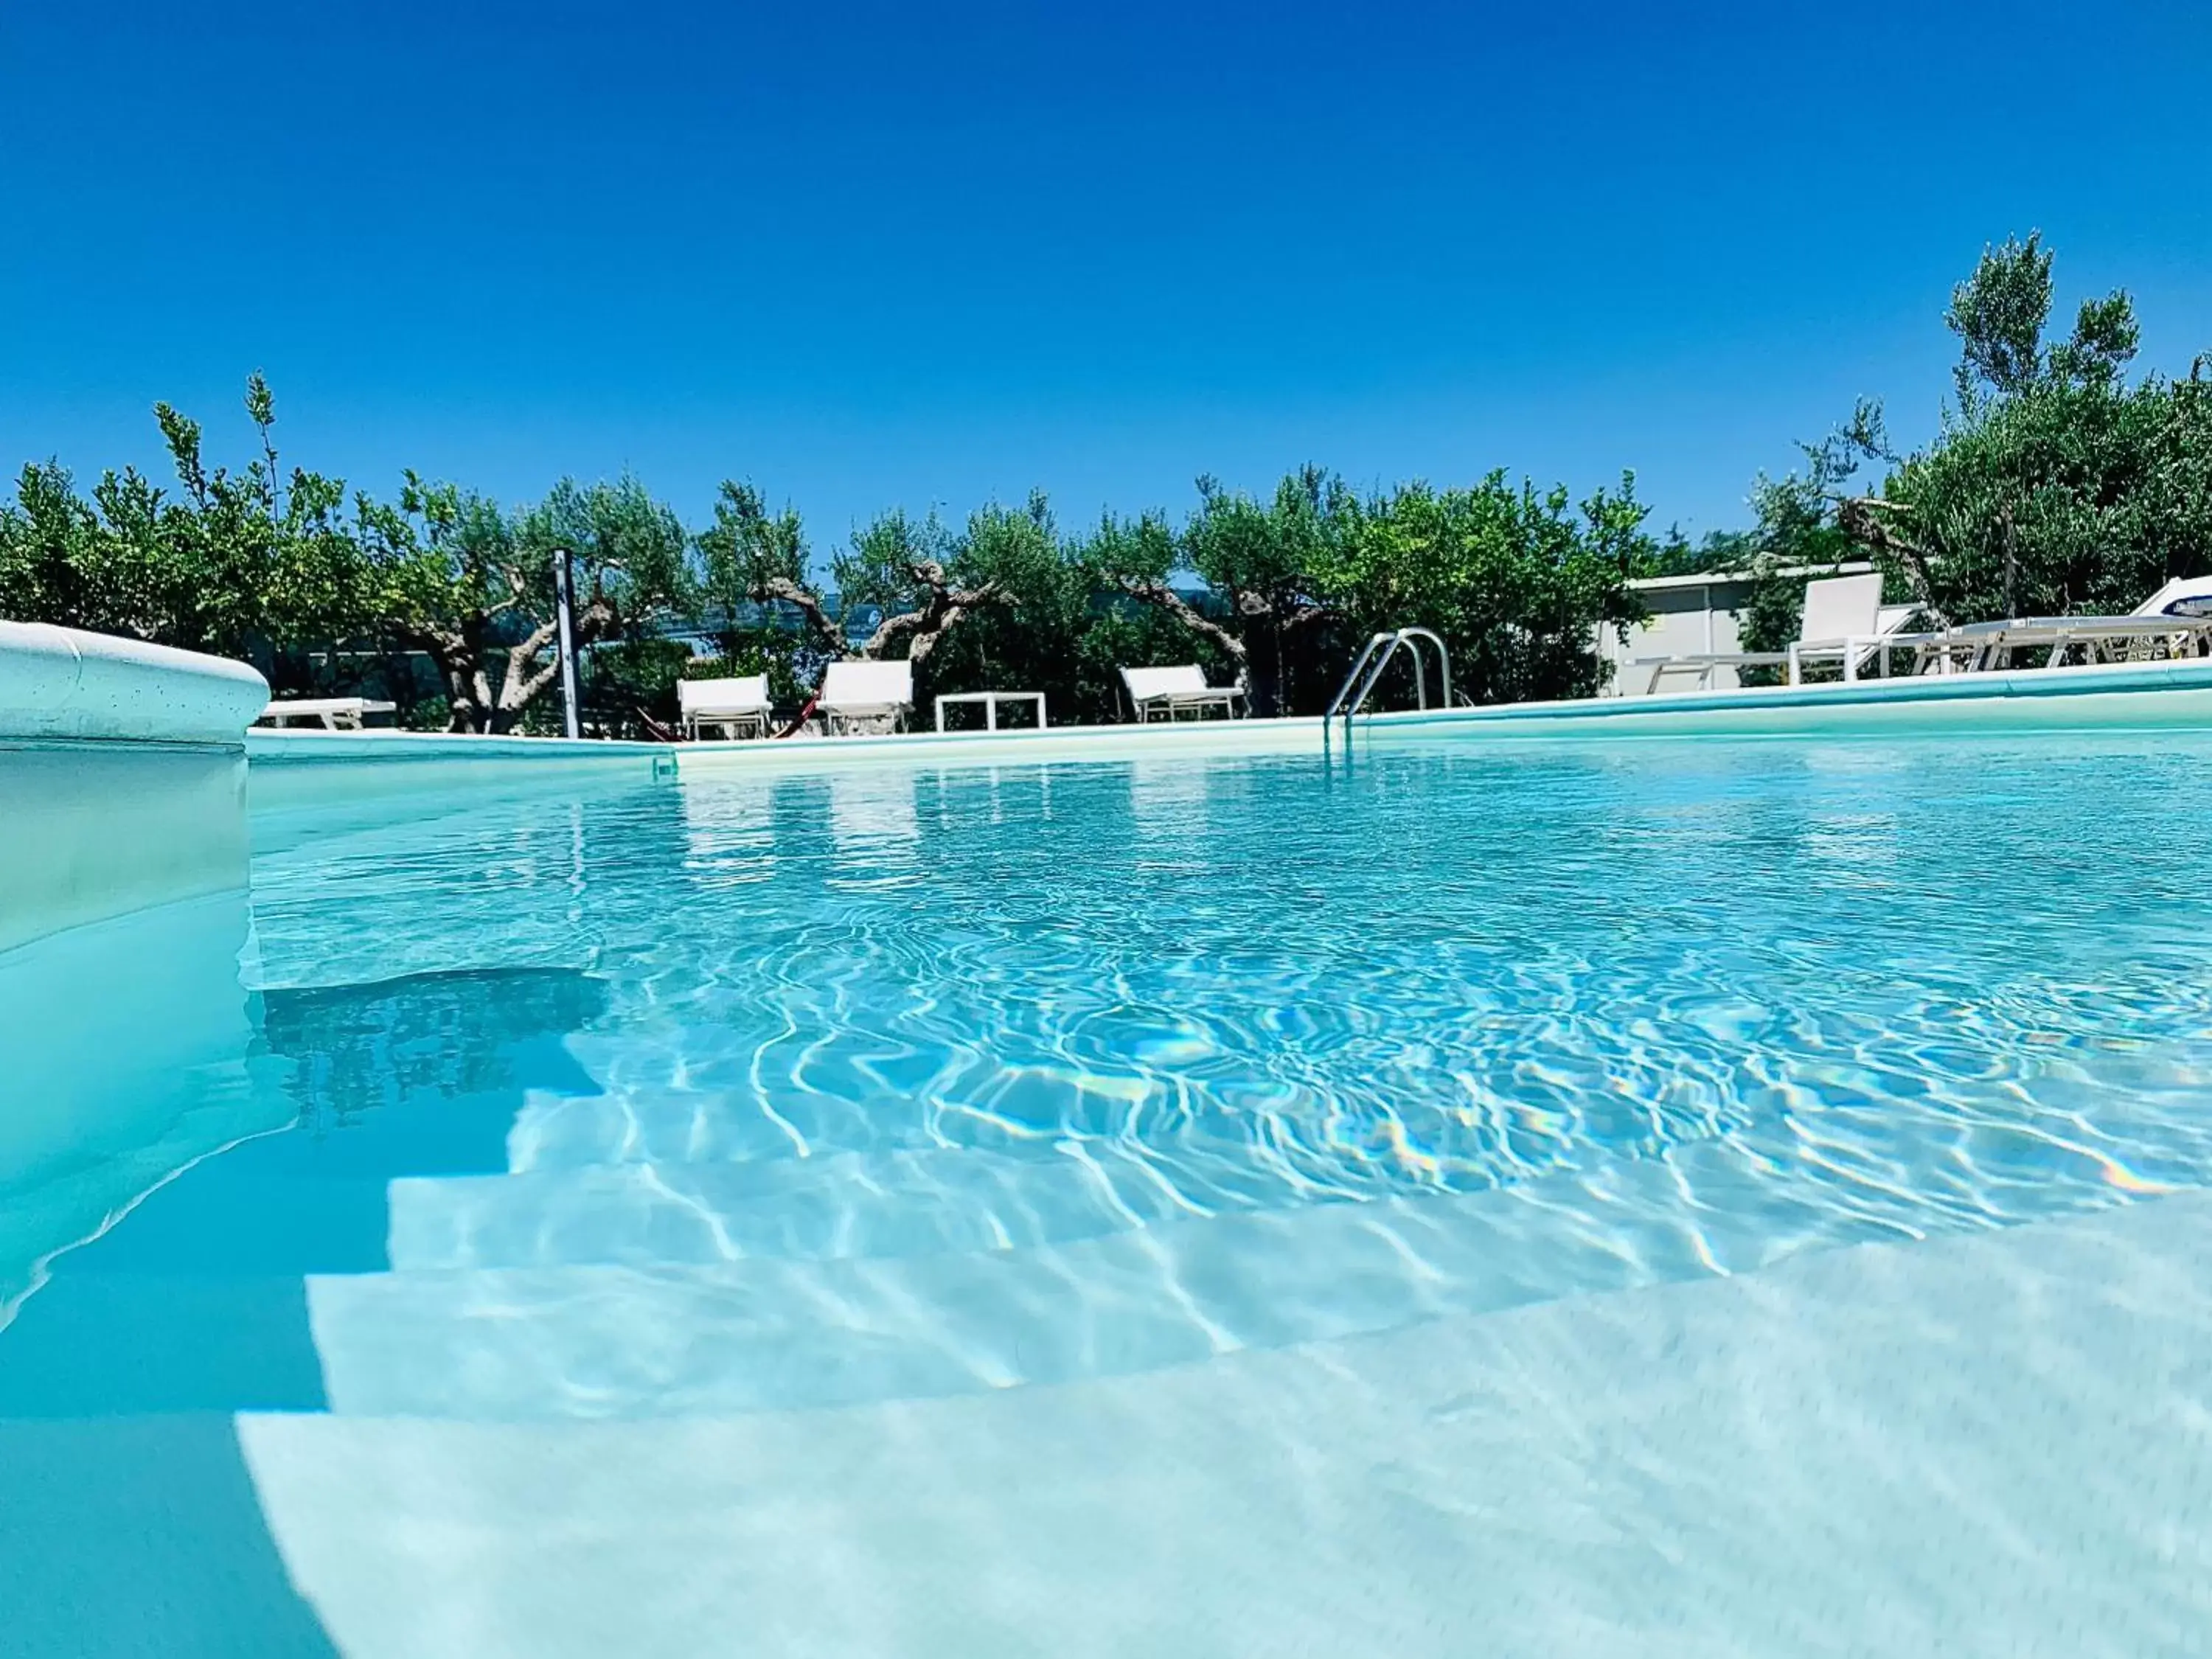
(462, 656)
(942, 607)
(1867, 521)
(1257, 650)
(458, 655)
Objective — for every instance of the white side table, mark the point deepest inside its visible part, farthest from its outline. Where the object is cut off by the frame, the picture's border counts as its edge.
(991, 700)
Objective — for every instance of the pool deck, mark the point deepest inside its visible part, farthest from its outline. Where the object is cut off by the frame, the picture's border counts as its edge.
(2131, 697)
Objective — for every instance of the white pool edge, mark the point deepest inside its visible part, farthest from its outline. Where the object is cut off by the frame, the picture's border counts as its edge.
(2143, 696)
(63, 684)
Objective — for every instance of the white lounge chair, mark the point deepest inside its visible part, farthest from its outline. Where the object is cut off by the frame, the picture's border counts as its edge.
(1173, 690)
(857, 691)
(1843, 618)
(331, 714)
(2174, 621)
(2184, 596)
(740, 706)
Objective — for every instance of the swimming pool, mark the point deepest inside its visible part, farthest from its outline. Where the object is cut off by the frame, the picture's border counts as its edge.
(551, 1144)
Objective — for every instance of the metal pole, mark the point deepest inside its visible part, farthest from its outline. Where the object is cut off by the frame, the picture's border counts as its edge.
(562, 583)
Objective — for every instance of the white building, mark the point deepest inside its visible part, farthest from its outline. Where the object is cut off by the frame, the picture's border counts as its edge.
(1689, 615)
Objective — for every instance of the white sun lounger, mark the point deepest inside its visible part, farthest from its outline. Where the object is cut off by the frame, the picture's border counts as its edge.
(1173, 690)
(2184, 596)
(1843, 619)
(740, 706)
(858, 691)
(2173, 621)
(331, 714)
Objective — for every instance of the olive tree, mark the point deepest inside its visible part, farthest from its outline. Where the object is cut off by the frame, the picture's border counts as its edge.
(250, 563)
(1516, 580)
(1263, 565)
(471, 586)
(2054, 484)
(923, 579)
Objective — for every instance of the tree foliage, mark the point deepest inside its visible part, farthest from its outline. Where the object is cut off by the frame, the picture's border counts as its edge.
(232, 563)
(921, 579)
(1066, 628)
(1262, 565)
(1272, 592)
(2056, 485)
(1516, 580)
(472, 587)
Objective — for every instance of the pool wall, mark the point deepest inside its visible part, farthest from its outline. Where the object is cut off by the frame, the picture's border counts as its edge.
(92, 831)
(123, 1029)
(127, 1045)
(2111, 696)
(122, 776)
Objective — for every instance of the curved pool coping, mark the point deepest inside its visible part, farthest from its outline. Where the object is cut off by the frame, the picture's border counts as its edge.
(64, 684)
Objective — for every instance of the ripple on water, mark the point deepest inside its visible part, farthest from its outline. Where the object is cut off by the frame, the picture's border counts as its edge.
(1818, 990)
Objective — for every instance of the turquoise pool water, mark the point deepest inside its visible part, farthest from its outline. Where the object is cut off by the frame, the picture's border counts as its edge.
(630, 1098)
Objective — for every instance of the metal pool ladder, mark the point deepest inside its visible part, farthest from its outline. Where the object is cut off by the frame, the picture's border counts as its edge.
(1375, 656)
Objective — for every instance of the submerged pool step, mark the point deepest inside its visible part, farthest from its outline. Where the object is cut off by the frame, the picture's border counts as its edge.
(628, 1125)
(613, 1341)
(755, 1121)
(1980, 1447)
(1976, 1447)
(905, 1202)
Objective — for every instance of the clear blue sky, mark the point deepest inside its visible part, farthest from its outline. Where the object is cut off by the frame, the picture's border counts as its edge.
(867, 255)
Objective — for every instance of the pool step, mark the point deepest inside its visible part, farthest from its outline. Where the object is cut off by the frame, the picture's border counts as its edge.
(1978, 1446)
(628, 1125)
(628, 1341)
(747, 1123)
(684, 1102)
(918, 1201)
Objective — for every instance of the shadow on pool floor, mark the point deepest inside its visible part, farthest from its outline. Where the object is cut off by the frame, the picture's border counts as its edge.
(195, 1299)
(141, 1538)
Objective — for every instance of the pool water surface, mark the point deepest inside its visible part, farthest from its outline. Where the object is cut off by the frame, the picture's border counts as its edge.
(649, 1099)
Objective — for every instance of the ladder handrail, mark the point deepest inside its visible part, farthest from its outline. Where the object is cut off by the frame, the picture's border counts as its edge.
(1336, 704)
(1443, 662)
(1375, 656)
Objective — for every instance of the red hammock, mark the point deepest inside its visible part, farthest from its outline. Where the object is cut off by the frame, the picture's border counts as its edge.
(805, 715)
